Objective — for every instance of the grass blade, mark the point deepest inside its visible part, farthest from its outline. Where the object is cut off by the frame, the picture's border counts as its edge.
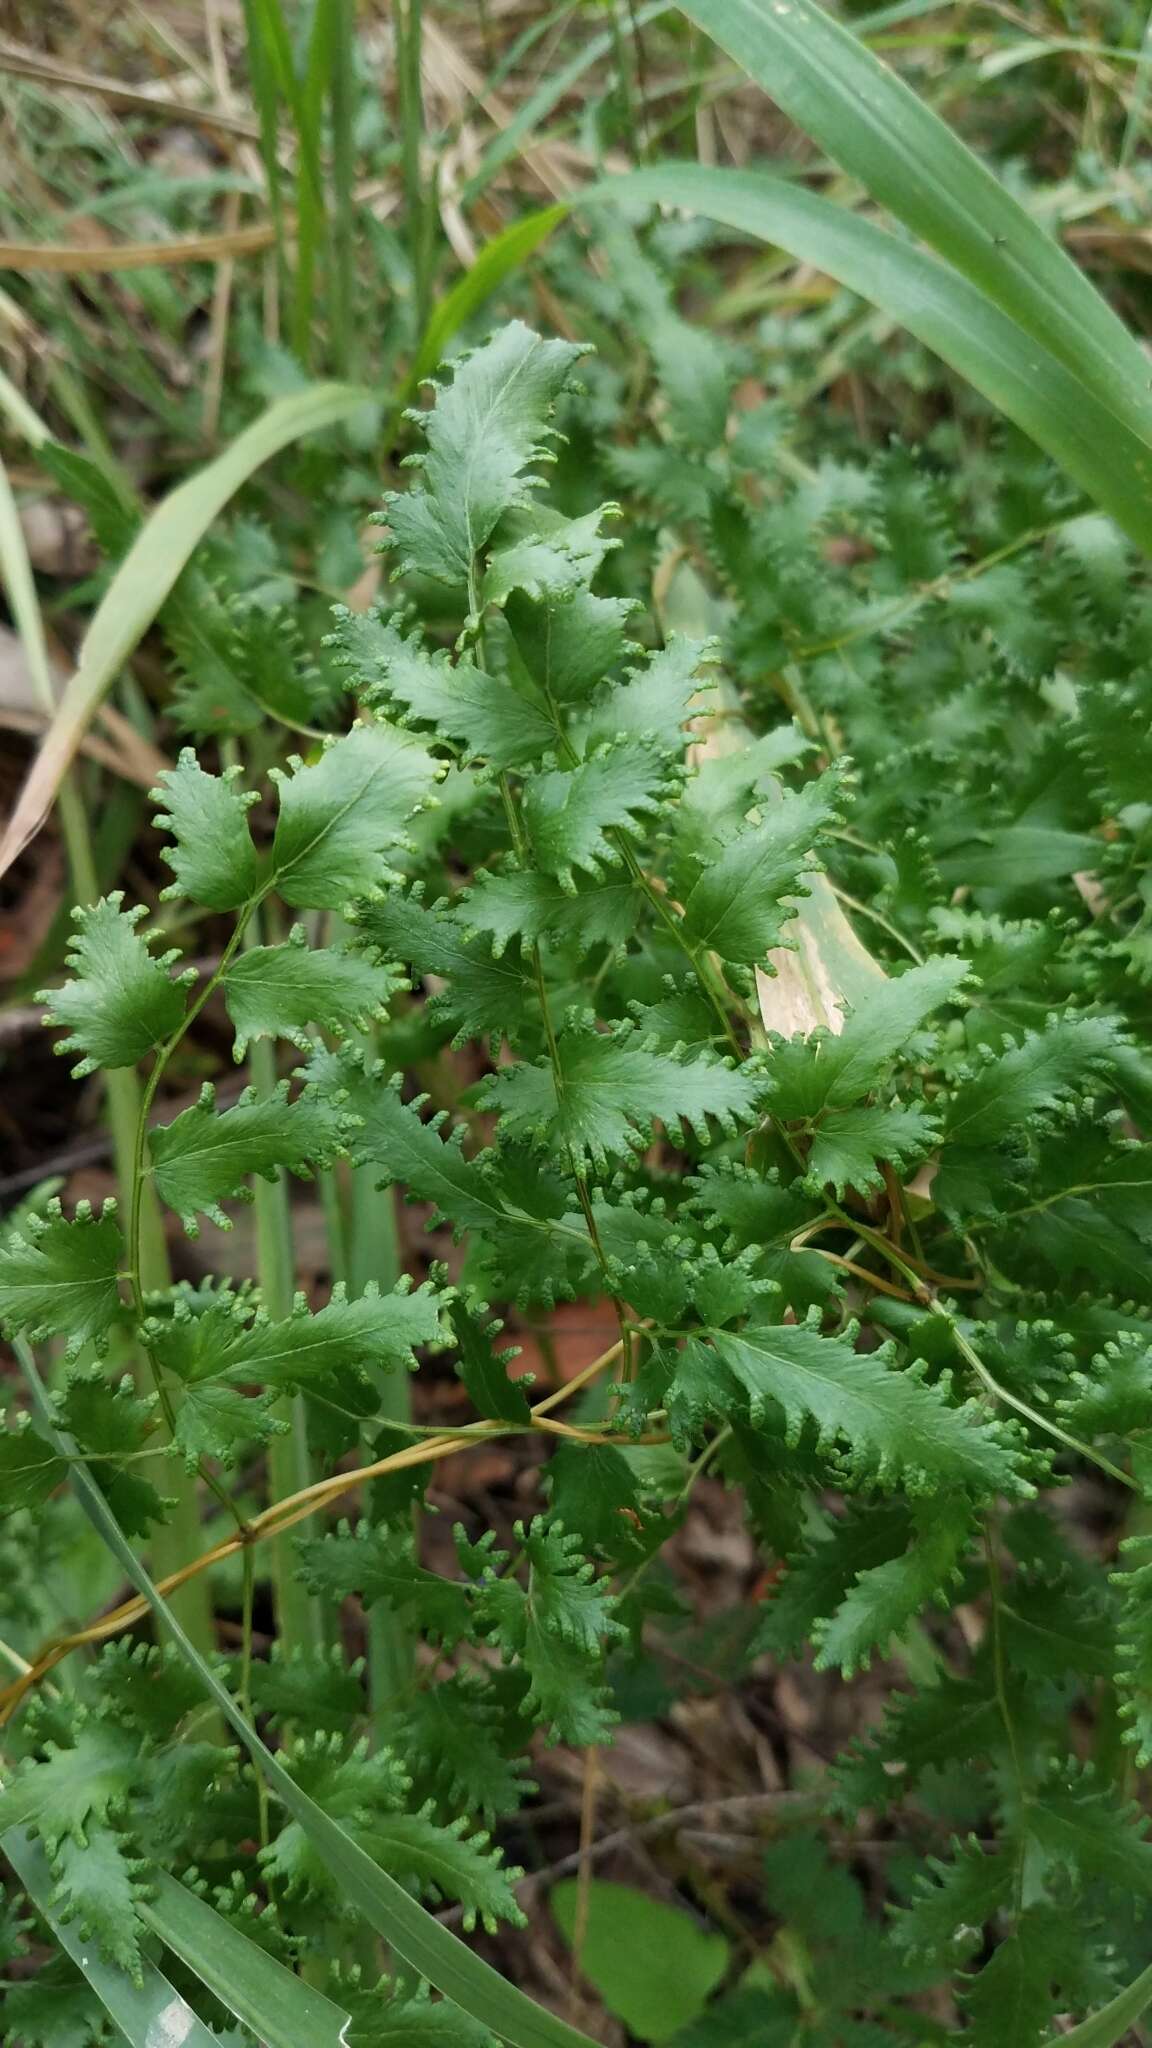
(147, 2014)
(16, 575)
(873, 124)
(146, 576)
(1027, 383)
(552, 89)
(263, 82)
(342, 205)
(408, 23)
(496, 261)
(279, 2008)
(417, 1936)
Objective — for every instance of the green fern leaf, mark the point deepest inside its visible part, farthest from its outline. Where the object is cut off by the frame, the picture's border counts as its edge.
(213, 859)
(737, 907)
(680, 488)
(485, 430)
(444, 1861)
(1134, 1676)
(178, 1787)
(884, 1600)
(892, 1425)
(218, 1351)
(954, 1902)
(1085, 1827)
(948, 1724)
(377, 1331)
(302, 1686)
(545, 555)
(654, 702)
(834, 1071)
(848, 1145)
(278, 991)
(820, 1577)
(570, 811)
(350, 1783)
(29, 1468)
(97, 1886)
(122, 1000)
(569, 645)
(462, 1749)
(54, 2009)
(203, 1158)
(394, 1137)
(215, 1420)
(537, 1249)
(594, 1493)
(750, 1210)
(484, 1369)
(484, 997)
(380, 2021)
(112, 1423)
(1031, 1079)
(613, 1088)
(61, 1279)
(1035, 1971)
(377, 1563)
(488, 718)
(556, 1631)
(341, 816)
(83, 1785)
(147, 1688)
(364, 1792)
(531, 907)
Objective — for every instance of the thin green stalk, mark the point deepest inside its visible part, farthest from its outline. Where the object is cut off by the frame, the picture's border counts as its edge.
(289, 1466)
(73, 399)
(373, 1242)
(409, 29)
(1138, 105)
(643, 143)
(262, 80)
(311, 213)
(342, 102)
(275, 80)
(364, 1241)
(330, 1182)
(248, 1567)
(1000, 1686)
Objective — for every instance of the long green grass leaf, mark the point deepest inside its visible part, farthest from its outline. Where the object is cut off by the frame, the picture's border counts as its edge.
(496, 261)
(150, 2014)
(262, 78)
(342, 195)
(1021, 377)
(424, 1944)
(16, 575)
(146, 576)
(278, 2007)
(873, 124)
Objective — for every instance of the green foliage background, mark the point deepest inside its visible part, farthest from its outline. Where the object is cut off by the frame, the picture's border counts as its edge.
(767, 816)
